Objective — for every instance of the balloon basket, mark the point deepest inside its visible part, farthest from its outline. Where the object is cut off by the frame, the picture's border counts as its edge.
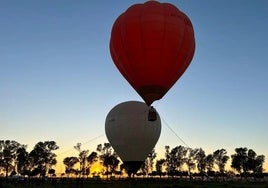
(152, 114)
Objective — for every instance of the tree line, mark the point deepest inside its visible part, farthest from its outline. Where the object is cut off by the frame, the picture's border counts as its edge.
(178, 161)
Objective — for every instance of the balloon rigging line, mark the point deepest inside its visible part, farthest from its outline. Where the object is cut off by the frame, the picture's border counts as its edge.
(175, 133)
(95, 138)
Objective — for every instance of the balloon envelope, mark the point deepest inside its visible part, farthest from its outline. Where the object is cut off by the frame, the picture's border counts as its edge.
(130, 133)
(152, 44)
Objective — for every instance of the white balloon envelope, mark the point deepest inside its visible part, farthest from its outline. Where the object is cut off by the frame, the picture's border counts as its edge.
(131, 134)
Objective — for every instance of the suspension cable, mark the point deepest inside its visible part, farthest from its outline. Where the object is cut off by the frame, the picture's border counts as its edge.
(174, 132)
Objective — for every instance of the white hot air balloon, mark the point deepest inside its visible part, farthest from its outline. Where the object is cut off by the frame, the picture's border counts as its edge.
(131, 134)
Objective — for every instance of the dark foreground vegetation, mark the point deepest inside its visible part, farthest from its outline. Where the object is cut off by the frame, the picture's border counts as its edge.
(125, 183)
(180, 161)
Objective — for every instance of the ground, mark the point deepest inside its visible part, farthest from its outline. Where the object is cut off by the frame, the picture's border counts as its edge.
(130, 183)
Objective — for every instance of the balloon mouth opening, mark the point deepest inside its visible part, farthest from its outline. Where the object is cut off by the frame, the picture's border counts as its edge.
(151, 93)
(132, 167)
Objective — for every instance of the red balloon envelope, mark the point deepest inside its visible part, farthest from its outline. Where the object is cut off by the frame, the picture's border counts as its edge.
(152, 44)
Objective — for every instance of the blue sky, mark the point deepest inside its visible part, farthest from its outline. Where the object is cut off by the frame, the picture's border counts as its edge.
(58, 81)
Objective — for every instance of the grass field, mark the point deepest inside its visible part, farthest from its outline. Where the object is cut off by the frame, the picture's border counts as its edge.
(137, 183)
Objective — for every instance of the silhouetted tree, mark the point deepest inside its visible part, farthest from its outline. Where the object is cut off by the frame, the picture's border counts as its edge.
(239, 160)
(82, 157)
(175, 159)
(170, 165)
(85, 159)
(209, 163)
(246, 161)
(200, 158)
(42, 157)
(113, 163)
(251, 160)
(69, 163)
(190, 160)
(147, 166)
(220, 159)
(22, 160)
(8, 151)
(108, 157)
(258, 167)
(51, 172)
(92, 158)
(15, 159)
(159, 166)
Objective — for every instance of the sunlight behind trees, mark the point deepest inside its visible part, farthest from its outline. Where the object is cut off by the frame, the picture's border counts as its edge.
(179, 161)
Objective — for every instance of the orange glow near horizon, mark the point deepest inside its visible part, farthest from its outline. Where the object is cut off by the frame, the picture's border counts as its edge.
(96, 169)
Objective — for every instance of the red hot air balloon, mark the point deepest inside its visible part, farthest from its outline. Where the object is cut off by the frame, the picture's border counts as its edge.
(152, 44)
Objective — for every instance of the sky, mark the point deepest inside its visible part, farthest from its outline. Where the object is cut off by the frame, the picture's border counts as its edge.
(58, 81)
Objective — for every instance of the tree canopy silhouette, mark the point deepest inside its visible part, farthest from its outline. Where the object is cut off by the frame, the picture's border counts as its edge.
(178, 161)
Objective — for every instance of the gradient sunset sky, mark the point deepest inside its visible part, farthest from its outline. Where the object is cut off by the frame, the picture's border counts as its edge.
(58, 81)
